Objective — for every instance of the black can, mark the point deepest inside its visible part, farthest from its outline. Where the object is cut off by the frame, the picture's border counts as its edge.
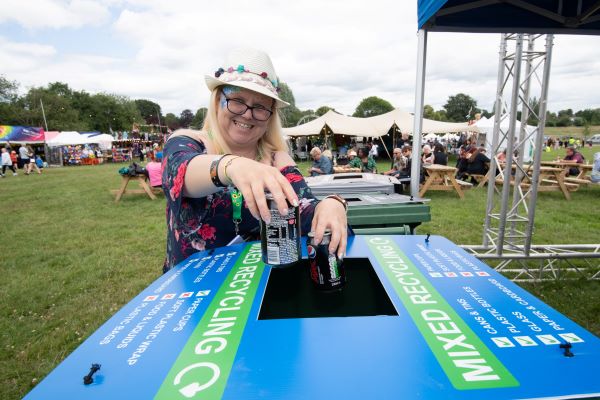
(326, 269)
(280, 239)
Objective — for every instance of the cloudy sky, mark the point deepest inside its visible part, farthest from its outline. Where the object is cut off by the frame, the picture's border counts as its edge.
(333, 53)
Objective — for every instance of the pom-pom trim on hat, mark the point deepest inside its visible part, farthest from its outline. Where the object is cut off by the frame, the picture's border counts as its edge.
(241, 69)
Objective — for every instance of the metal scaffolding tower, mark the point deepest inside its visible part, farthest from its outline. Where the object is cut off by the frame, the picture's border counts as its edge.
(509, 222)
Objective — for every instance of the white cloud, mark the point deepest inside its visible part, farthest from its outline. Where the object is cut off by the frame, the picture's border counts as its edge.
(36, 15)
(331, 53)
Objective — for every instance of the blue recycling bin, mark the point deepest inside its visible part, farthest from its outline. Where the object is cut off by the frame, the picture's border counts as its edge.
(417, 319)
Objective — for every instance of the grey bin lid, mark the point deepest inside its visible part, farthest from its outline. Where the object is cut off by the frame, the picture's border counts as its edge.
(351, 183)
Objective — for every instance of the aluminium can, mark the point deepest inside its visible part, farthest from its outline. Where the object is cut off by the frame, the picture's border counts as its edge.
(280, 239)
(326, 269)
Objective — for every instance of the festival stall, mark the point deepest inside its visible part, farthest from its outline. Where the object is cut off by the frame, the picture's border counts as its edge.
(74, 148)
(21, 134)
(103, 140)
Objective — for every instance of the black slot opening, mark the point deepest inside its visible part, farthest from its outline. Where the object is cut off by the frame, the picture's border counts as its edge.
(340, 177)
(290, 294)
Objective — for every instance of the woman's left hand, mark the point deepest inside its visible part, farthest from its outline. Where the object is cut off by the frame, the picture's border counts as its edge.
(331, 214)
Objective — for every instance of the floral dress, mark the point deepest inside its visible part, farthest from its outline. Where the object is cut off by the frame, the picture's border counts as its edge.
(196, 224)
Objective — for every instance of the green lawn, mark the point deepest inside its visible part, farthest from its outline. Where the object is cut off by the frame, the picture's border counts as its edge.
(70, 258)
(575, 131)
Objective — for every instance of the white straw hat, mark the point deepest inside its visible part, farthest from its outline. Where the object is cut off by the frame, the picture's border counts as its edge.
(249, 69)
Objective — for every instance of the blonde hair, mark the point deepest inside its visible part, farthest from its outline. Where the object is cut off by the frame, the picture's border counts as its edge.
(272, 141)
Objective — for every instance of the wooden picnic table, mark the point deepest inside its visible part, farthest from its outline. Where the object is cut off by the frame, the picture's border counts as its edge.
(341, 169)
(141, 179)
(441, 177)
(551, 179)
(584, 170)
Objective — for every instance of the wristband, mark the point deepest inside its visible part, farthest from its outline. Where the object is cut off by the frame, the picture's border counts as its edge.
(214, 171)
(340, 199)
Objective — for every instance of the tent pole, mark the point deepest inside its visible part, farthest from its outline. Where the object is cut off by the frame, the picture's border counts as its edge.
(386, 149)
(44, 114)
(415, 170)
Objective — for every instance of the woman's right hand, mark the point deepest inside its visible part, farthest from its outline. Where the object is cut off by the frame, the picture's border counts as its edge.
(253, 178)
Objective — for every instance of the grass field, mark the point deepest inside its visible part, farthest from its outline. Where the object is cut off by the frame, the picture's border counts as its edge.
(70, 258)
(575, 131)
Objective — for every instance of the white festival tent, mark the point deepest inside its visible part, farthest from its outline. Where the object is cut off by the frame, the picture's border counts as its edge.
(376, 126)
(486, 127)
(74, 138)
(104, 141)
(430, 136)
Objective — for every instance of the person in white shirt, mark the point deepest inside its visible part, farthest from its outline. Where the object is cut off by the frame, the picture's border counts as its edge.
(24, 156)
(374, 150)
(7, 162)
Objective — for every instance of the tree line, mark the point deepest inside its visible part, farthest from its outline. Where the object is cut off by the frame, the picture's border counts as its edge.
(67, 109)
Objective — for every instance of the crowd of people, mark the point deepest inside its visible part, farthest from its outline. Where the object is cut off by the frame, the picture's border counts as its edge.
(362, 159)
(25, 158)
(557, 143)
(471, 160)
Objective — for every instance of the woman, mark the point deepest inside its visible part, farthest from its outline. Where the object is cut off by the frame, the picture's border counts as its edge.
(363, 161)
(477, 163)
(461, 162)
(154, 169)
(7, 162)
(439, 155)
(239, 151)
(29, 168)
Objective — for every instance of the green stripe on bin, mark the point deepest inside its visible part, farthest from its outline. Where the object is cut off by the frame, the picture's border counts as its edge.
(465, 359)
(204, 364)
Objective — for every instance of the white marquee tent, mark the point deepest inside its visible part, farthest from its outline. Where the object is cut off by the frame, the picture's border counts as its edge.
(75, 138)
(486, 127)
(373, 126)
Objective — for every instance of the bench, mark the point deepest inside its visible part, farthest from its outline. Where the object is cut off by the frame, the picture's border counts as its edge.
(577, 181)
(480, 179)
(571, 187)
(464, 184)
(144, 187)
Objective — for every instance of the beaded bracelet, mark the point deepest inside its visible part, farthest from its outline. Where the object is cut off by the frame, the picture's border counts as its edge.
(227, 164)
(214, 171)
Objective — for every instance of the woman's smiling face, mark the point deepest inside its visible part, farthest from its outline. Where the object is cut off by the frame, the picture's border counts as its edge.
(242, 130)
